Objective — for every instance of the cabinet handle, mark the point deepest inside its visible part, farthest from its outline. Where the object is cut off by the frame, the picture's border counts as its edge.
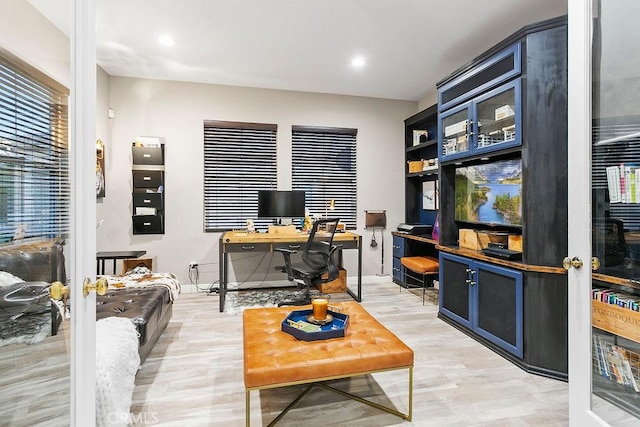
(146, 178)
(146, 224)
(248, 248)
(146, 155)
(294, 246)
(146, 201)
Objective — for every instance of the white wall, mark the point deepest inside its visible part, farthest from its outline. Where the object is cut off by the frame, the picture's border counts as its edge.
(27, 34)
(176, 111)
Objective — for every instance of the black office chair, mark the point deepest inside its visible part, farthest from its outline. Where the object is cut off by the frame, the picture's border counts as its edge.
(317, 260)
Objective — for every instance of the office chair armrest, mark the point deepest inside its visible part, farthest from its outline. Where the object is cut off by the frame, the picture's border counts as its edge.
(286, 253)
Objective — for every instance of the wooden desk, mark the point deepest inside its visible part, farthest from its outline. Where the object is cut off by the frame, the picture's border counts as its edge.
(268, 242)
(101, 257)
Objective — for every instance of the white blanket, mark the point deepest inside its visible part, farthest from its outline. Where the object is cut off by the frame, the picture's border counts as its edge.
(117, 362)
(143, 278)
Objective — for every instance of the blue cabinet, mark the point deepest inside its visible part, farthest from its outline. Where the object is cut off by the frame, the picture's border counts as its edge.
(485, 298)
(398, 268)
(480, 111)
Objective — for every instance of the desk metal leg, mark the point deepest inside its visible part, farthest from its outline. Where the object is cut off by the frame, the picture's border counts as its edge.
(222, 274)
(114, 266)
(359, 299)
(358, 296)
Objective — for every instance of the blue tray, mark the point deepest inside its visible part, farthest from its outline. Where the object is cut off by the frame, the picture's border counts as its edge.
(335, 329)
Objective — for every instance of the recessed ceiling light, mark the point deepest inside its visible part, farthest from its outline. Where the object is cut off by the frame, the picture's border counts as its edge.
(165, 40)
(358, 62)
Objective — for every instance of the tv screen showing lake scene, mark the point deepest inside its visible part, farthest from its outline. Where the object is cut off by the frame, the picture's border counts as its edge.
(490, 193)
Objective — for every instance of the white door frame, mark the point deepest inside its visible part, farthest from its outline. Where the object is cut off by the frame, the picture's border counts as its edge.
(579, 197)
(83, 212)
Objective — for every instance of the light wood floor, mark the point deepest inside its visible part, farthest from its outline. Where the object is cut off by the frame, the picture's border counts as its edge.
(193, 376)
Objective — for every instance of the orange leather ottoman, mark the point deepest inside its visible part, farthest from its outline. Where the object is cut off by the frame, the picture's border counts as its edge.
(424, 266)
(273, 358)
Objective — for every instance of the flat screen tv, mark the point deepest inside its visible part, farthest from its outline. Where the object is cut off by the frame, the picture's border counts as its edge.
(280, 204)
(490, 193)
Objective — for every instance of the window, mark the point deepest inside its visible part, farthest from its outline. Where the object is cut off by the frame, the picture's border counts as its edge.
(324, 166)
(239, 160)
(34, 166)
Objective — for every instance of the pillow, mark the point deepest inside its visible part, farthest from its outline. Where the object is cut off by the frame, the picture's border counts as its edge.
(7, 279)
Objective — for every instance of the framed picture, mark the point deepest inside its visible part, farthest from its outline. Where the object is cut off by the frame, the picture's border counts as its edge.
(420, 136)
(430, 195)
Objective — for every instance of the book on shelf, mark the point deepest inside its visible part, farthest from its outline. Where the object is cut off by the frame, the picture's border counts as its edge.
(615, 363)
(618, 298)
(623, 183)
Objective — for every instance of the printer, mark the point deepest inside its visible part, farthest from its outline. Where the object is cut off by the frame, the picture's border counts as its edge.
(415, 229)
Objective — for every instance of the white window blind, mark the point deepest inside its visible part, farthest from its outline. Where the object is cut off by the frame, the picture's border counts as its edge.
(239, 160)
(34, 166)
(324, 166)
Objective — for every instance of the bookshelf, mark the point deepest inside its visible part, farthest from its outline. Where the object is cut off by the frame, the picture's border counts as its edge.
(616, 244)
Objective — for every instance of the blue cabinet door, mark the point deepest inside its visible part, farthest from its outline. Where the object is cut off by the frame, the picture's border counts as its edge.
(489, 122)
(398, 252)
(497, 122)
(454, 133)
(455, 289)
(498, 304)
(485, 298)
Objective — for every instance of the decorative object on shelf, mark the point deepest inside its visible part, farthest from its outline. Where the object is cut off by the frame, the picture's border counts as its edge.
(504, 112)
(435, 233)
(430, 164)
(415, 165)
(100, 177)
(420, 137)
(430, 195)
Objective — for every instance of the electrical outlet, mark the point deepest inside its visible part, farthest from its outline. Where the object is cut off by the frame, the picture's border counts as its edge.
(193, 264)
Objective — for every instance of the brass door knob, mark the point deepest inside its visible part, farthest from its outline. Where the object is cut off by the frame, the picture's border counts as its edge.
(595, 263)
(574, 262)
(58, 291)
(100, 286)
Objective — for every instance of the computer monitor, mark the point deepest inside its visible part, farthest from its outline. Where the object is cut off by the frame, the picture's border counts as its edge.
(280, 204)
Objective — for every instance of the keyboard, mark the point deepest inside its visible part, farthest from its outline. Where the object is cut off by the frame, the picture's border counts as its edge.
(502, 253)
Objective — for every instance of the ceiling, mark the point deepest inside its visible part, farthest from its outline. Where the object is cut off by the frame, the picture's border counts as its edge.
(302, 45)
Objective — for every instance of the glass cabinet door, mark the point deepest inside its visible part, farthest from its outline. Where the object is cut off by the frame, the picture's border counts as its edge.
(615, 182)
(604, 210)
(497, 118)
(454, 128)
